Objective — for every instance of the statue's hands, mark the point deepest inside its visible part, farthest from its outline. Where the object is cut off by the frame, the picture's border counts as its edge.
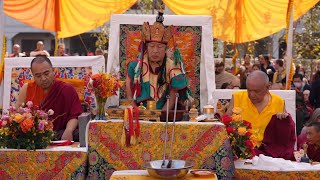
(282, 115)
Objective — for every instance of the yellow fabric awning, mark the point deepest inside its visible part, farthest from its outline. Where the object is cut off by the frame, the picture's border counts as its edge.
(241, 21)
(66, 17)
(235, 21)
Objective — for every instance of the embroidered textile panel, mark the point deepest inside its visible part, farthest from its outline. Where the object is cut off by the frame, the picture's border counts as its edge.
(19, 75)
(188, 40)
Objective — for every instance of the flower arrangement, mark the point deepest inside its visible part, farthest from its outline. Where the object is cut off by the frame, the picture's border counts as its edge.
(26, 128)
(104, 85)
(239, 132)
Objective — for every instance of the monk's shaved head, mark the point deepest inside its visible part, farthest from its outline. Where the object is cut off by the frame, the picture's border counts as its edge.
(258, 77)
(257, 86)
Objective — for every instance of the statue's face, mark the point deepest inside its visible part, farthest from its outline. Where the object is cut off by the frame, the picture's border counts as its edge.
(156, 52)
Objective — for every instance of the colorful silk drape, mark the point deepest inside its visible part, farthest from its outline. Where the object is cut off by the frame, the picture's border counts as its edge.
(66, 17)
(235, 21)
(241, 21)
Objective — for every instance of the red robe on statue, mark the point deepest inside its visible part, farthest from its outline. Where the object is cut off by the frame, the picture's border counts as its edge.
(279, 138)
(62, 99)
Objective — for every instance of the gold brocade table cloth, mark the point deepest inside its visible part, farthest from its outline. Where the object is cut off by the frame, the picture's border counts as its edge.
(205, 144)
(65, 162)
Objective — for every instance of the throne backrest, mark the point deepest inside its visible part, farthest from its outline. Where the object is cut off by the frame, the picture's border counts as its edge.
(75, 70)
(289, 96)
(191, 36)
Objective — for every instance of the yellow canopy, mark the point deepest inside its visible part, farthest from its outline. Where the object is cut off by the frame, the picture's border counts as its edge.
(66, 17)
(241, 21)
(235, 21)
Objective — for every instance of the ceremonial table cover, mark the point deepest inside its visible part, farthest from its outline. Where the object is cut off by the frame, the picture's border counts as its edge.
(302, 171)
(205, 144)
(65, 162)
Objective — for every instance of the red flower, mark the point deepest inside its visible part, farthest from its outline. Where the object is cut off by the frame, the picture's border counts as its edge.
(249, 144)
(248, 134)
(226, 119)
(230, 130)
(248, 124)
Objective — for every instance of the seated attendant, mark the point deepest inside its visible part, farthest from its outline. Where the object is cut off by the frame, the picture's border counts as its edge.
(313, 141)
(154, 75)
(39, 51)
(48, 93)
(263, 110)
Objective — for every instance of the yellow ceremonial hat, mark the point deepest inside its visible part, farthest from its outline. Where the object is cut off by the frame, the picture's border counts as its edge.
(157, 32)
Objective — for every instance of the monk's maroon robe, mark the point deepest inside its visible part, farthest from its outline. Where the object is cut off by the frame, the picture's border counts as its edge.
(313, 152)
(279, 138)
(64, 101)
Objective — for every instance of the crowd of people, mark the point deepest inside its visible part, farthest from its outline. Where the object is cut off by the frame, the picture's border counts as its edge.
(40, 50)
(307, 91)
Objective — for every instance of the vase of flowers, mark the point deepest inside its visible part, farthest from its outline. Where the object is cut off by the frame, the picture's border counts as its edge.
(239, 132)
(104, 85)
(26, 128)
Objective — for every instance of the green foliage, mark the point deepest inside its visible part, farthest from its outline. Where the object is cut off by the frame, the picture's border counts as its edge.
(102, 37)
(307, 42)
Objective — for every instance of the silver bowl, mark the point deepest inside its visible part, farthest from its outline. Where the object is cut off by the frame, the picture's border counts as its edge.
(179, 168)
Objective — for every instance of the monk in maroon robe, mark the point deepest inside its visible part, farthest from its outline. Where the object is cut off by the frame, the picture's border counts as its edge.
(313, 141)
(48, 93)
(279, 138)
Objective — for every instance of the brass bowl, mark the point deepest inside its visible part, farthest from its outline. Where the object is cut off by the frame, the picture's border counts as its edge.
(179, 169)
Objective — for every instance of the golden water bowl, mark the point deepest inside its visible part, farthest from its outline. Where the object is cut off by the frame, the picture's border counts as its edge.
(179, 169)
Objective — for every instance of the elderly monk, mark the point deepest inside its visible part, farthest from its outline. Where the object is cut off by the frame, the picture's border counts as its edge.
(273, 128)
(313, 141)
(48, 93)
(153, 75)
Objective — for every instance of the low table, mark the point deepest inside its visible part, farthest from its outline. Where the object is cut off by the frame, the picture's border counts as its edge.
(55, 162)
(249, 171)
(143, 175)
(205, 144)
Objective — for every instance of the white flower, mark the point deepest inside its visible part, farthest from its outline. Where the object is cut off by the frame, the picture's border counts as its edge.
(50, 112)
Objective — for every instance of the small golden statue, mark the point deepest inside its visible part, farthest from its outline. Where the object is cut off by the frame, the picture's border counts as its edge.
(141, 107)
(193, 114)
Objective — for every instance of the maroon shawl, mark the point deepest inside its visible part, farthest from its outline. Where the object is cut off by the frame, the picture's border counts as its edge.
(64, 101)
(313, 152)
(279, 138)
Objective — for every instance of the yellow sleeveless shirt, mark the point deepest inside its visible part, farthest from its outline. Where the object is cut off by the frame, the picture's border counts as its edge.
(259, 121)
